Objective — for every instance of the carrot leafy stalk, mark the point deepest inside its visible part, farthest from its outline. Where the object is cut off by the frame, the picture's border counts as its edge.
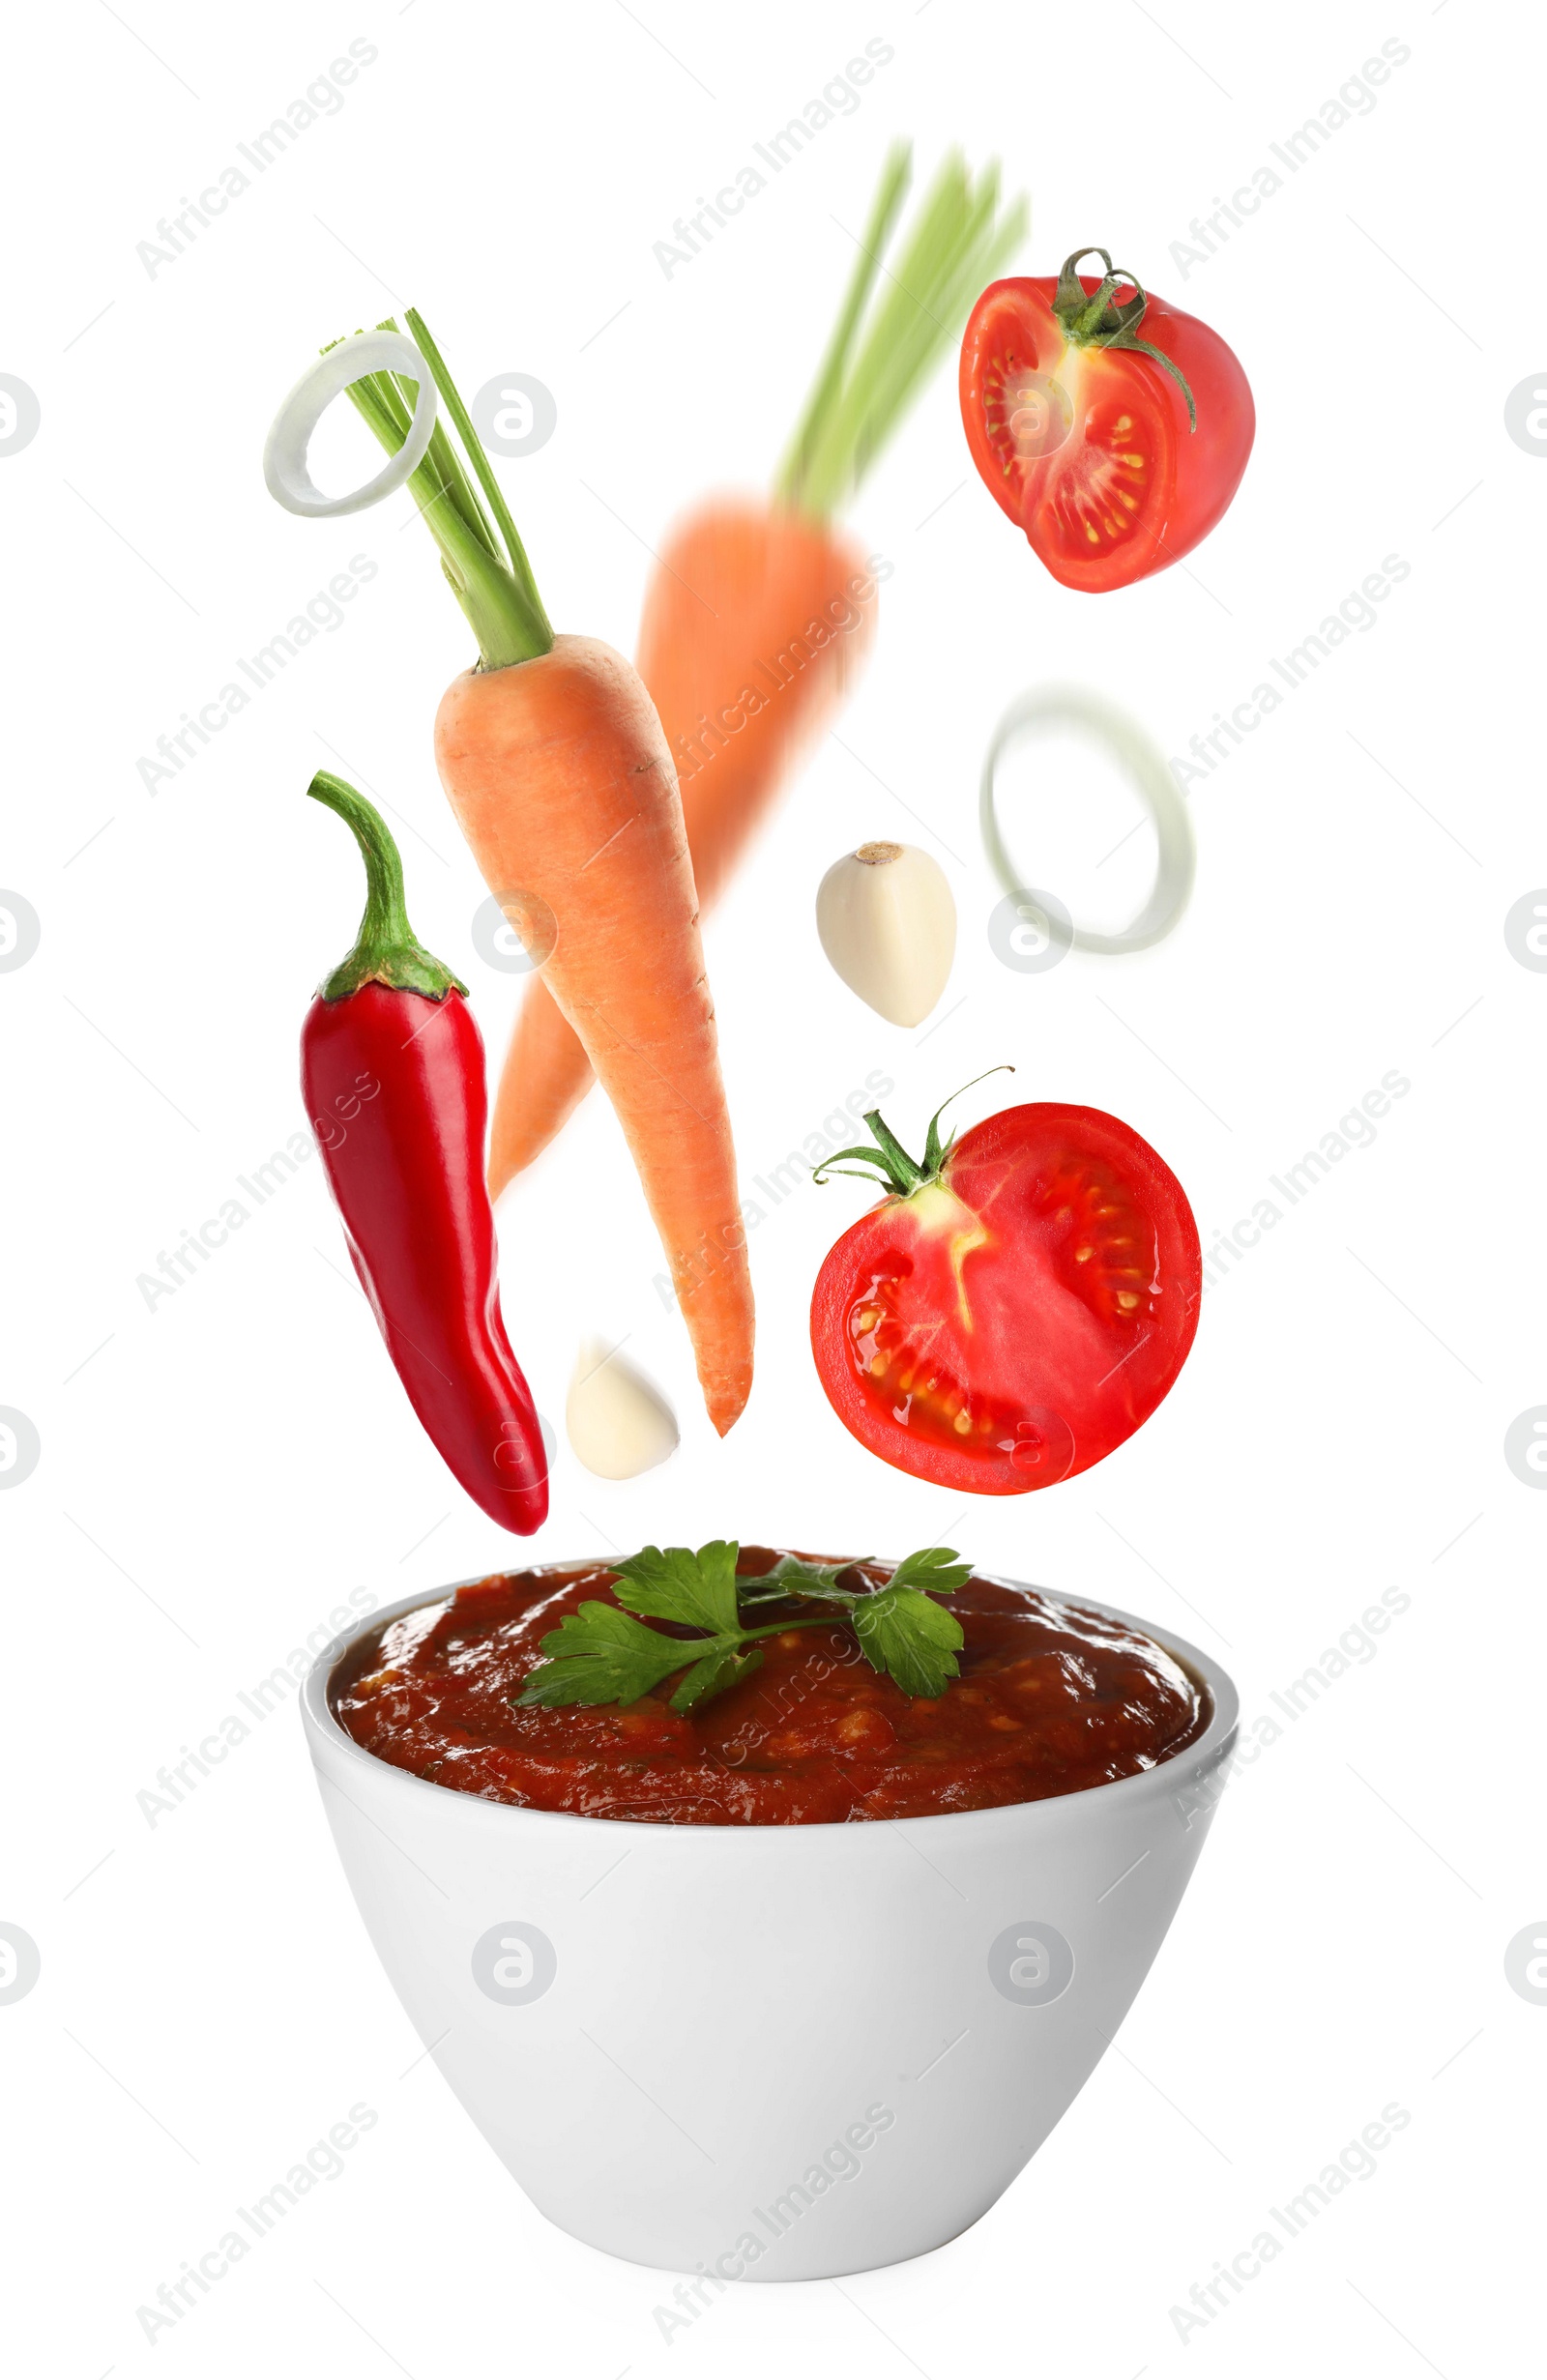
(482, 556)
(868, 375)
(602, 1654)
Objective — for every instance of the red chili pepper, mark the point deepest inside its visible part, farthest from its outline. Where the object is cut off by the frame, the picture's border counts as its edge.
(392, 1067)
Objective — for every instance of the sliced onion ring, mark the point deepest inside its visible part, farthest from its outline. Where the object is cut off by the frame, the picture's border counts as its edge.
(285, 450)
(1148, 771)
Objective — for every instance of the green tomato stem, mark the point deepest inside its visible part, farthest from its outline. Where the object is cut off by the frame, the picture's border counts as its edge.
(1095, 318)
(891, 1166)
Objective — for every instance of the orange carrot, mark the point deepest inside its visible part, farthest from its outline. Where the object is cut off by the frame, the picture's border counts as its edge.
(759, 613)
(560, 777)
(554, 762)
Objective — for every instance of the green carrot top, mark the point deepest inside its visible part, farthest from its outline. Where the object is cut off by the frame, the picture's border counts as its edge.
(483, 559)
(959, 241)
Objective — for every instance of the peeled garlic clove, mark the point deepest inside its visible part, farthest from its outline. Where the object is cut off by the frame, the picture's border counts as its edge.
(618, 1422)
(888, 923)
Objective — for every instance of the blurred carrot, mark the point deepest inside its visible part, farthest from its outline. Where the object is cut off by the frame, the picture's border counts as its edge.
(760, 610)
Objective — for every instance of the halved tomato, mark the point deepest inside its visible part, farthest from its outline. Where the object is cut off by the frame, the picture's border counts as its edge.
(1115, 454)
(1016, 1306)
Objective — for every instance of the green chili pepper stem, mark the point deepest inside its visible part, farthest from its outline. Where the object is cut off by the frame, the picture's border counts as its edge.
(385, 949)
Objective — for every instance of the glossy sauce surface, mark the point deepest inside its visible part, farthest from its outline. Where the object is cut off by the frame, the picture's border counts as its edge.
(1051, 1699)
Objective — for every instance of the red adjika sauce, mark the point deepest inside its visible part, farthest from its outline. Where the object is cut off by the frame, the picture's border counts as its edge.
(1051, 1699)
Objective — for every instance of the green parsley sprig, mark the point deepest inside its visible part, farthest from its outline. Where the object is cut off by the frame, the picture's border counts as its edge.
(603, 1654)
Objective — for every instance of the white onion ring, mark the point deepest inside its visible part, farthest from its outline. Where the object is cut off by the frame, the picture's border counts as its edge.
(285, 450)
(1147, 769)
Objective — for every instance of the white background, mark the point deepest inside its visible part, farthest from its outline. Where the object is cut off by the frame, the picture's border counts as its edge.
(219, 1472)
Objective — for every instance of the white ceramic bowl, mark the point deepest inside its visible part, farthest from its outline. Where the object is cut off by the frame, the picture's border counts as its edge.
(767, 2052)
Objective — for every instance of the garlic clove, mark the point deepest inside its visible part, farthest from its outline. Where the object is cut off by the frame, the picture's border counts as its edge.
(887, 923)
(619, 1423)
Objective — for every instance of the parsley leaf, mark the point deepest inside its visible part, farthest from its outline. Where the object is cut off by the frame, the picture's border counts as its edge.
(599, 1654)
(722, 1668)
(936, 1568)
(806, 1582)
(697, 1589)
(603, 1653)
(909, 1639)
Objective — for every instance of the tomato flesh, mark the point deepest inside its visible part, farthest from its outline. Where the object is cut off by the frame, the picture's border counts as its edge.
(1022, 410)
(1089, 449)
(1006, 1325)
(1103, 502)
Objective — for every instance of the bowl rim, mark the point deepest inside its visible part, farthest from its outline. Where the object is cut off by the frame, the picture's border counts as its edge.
(1201, 1757)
